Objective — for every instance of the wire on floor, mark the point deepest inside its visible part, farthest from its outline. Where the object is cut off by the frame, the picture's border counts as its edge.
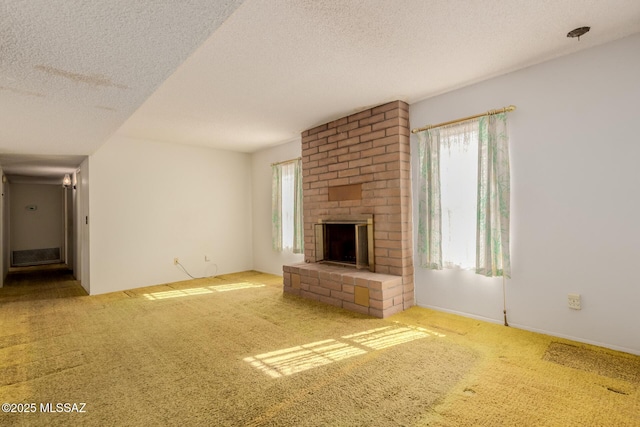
(183, 268)
(504, 299)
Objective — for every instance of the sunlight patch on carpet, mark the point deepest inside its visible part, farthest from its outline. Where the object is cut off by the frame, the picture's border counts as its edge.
(380, 338)
(236, 286)
(292, 360)
(300, 358)
(177, 293)
(200, 291)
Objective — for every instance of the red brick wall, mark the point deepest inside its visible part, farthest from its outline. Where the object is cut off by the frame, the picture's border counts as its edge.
(370, 148)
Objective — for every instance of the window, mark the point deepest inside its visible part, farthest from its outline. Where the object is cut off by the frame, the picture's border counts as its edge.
(463, 196)
(286, 204)
(458, 198)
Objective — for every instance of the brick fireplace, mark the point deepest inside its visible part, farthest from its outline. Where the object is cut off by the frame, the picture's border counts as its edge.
(357, 169)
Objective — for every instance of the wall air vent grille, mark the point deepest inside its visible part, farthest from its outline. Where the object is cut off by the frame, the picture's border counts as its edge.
(35, 257)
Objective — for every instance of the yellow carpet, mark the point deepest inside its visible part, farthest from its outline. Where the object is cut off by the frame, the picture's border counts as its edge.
(233, 350)
(517, 382)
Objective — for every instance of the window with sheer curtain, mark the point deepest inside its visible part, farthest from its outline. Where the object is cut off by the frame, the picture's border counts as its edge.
(463, 200)
(458, 177)
(286, 204)
(458, 186)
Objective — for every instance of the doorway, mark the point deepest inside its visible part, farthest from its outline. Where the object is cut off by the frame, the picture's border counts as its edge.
(36, 224)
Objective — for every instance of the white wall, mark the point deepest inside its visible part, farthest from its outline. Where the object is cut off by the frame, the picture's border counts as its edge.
(73, 223)
(4, 267)
(151, 202)
(77, 220)
(36, 229)
(264, 257)
(6, 232)
(82, 266)
(69, 218)
(574, 197)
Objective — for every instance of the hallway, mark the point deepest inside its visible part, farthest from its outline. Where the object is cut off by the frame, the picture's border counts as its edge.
(40, 283)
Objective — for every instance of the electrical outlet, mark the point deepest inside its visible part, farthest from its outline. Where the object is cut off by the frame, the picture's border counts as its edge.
(574, 301)
(176, 261)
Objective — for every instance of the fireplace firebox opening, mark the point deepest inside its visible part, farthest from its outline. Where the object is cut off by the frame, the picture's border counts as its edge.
(346, 242)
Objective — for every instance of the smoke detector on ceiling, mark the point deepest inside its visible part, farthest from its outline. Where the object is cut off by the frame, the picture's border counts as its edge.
(578, 32)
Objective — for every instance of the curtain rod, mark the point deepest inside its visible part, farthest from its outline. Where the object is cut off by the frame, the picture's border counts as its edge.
(497, 111)
(286, 161)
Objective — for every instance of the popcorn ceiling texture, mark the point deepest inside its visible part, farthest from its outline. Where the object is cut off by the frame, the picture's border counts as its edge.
(276, 68)
(72, 71)
(245, 75)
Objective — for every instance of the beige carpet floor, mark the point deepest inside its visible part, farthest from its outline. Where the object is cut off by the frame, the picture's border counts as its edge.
(235, 351)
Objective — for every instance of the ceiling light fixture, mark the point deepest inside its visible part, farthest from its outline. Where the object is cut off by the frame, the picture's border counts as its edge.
(66, 181)
(578, 32)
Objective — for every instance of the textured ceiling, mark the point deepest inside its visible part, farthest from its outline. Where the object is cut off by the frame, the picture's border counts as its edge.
(246, 76)
(72, 71)
(276, 68)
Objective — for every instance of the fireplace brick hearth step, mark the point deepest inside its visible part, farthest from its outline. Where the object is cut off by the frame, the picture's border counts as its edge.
(374, 294)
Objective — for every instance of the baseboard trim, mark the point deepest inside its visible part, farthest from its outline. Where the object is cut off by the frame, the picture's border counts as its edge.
(536, 330)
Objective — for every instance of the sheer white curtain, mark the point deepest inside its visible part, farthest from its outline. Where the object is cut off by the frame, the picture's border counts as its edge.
(494, 192)
(288, 183)
(447, 197)
(464, 196)
(429, 218)
(286, 207)
(276, 207)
